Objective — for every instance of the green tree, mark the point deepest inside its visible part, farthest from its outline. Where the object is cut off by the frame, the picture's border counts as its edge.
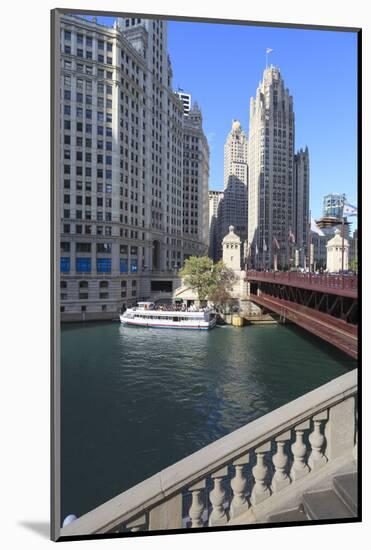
(205, 277)
(353, 265)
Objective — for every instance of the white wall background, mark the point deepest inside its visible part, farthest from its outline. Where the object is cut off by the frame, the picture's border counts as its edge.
(24, 290)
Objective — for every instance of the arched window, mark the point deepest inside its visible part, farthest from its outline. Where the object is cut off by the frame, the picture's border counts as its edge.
(103, 284)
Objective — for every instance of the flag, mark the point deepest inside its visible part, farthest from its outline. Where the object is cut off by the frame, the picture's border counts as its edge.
(291, 237)
(265, 248)
(315, 229)
(275, 242)
(256, 250)
(349, 210)
(269, 50)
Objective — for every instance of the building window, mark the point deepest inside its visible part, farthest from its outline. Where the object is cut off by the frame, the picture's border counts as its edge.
(104, 265)
(83, 265)
(65, 265)
(123, 267)
(83, 247)
(103, 295)
(83, 284)
(134, 265)
(104, 247)
(103, 284)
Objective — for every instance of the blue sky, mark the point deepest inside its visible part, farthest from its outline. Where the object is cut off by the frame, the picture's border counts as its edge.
(221, 66)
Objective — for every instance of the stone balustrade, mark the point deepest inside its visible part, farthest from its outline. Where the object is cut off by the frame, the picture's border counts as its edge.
(239, 471)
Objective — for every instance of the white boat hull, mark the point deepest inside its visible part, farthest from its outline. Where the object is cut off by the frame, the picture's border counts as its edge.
(149, 323)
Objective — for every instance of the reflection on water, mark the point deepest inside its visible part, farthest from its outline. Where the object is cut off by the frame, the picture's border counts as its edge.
(136, 400)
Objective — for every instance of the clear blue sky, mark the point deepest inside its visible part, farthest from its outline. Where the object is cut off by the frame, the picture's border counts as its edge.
(221, 66)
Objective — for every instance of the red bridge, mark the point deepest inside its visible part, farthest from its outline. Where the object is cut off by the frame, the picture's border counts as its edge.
(325, 305)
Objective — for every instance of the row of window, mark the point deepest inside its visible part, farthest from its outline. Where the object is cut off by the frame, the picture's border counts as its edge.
(88, 171)
(100, 158)
(87, 69)
(102, 284)
(88, 113)
(103, 265)
(101, 58)
(88, 128)
(85, 295)
(101, 248)
(88, 41)
(88, 141)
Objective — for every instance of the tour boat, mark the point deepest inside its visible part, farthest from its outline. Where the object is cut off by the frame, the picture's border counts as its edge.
(147, 314)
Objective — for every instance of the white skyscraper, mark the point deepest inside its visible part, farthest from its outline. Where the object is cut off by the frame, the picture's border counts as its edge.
(195, 185)
(271, 171)
(127, 217)
(233, 205)
(235, 156)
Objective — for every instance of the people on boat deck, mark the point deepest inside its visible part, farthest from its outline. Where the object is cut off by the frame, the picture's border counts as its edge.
(175, 307)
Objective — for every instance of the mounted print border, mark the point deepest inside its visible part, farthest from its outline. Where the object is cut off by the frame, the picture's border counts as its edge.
(158, 431)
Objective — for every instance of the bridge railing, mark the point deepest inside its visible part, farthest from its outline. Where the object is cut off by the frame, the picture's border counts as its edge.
(349, 282)
(224, 479)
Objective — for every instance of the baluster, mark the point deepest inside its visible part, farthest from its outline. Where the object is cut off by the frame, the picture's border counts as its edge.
(197, 507)
(217, 497)
(137, 524)
(239, 502)
(299, 467)
(260, 490)
(317, 440)
(280, 460)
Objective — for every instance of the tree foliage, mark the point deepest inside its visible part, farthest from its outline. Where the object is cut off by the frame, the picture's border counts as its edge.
(207, 278)
(353, 265)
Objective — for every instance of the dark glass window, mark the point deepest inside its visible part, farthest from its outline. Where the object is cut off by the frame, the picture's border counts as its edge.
(104, 247)
(83, 247)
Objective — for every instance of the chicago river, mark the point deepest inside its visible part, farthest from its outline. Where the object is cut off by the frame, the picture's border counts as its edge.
(135, 401)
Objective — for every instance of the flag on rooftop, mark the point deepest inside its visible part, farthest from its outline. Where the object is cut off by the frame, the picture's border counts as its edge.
(349, 210)
(315, 229)
(269, 50)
